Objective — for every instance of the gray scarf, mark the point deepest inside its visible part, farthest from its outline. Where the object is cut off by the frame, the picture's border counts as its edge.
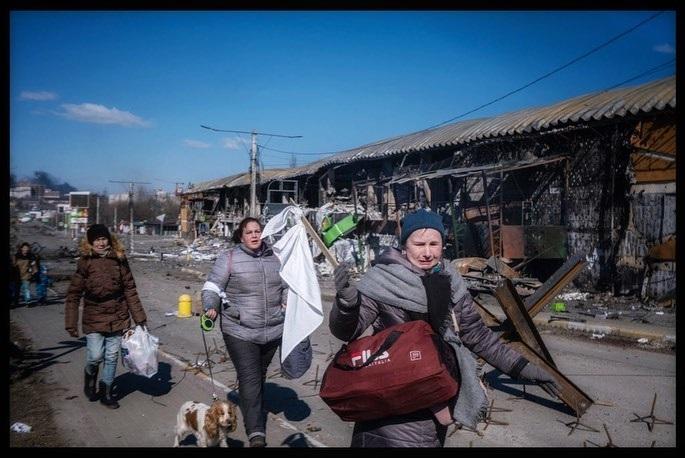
(398, 285)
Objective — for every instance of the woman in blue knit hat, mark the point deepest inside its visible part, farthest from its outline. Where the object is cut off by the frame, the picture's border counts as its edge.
(415, 283)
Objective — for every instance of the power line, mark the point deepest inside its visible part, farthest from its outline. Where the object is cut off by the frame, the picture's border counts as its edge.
(548, 74)
(164, 181)
(245, 132)
(254, 161)
(651, 70)
(292, 152)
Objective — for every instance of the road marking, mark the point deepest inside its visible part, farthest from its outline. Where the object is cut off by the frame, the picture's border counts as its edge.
(283, 422)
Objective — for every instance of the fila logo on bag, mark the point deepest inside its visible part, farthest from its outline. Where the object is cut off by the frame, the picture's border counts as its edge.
(364, 356)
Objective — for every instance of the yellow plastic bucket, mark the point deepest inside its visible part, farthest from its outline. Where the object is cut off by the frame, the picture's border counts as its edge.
(185, 305)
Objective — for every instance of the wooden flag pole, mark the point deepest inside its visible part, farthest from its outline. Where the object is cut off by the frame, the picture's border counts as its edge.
(312, 233)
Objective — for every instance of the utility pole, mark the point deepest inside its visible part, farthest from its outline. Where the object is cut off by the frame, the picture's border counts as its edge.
(253, 161)
(130, 209)
(97, 210)
(253, 175)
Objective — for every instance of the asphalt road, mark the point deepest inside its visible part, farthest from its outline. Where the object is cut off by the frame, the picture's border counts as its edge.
(622, 381)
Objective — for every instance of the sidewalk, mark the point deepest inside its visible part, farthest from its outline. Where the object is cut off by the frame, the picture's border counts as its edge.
(605, 327)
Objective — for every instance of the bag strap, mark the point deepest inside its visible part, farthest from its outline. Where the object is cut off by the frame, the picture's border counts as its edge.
(389, 341)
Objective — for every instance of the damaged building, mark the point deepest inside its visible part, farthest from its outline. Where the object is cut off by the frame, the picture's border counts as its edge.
(592, 175)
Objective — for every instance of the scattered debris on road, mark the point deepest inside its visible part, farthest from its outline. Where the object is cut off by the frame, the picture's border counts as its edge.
(20, 427)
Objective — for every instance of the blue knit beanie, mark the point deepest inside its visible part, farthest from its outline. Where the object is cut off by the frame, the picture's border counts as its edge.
(421, 219)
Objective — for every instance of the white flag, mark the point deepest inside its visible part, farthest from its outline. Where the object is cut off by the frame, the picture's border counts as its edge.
(304, 312)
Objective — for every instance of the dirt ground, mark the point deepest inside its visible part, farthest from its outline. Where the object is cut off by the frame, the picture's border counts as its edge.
(29, 394)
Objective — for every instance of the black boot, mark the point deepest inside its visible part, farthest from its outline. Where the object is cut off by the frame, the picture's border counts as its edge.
(258, 441)
(90, 385)
(106, 396)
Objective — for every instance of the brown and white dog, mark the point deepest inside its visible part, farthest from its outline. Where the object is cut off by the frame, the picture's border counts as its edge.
(209, 424)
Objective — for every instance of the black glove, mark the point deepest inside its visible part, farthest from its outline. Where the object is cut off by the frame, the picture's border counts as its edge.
(439, 293)
(536, 374)
(346, 291)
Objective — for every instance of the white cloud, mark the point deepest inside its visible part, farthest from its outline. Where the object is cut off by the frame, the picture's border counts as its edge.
(664, 48)
(196, 144)
(99, 114)
(41, 95)
(233, 143)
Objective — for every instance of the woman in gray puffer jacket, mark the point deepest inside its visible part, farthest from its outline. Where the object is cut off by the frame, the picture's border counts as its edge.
(412, 284)
(246, 291)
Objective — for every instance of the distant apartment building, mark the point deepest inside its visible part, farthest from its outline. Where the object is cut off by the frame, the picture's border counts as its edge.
(51, 196)
(34, 192)
(20, 192)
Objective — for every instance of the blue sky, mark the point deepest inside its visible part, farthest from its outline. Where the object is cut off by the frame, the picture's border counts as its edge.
(99, 96)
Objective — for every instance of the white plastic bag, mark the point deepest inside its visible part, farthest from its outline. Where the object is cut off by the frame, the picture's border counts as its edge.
(139, 351)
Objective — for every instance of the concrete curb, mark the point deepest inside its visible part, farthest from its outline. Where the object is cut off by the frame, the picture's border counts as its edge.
(590, 326)
(623, 330)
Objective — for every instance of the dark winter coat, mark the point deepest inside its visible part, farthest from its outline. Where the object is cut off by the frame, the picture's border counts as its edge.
(419, 429)
(108, 290)
(255, 292)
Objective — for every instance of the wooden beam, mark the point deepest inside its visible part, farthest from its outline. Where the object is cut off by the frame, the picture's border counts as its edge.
(569, 394)
(488, 317)
(516, 314)
(533, 348)
(554, 284)
(312, 233)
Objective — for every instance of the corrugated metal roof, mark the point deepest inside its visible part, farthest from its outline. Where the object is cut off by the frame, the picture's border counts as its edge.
(213, 184)
(656, 95)
(241, 179)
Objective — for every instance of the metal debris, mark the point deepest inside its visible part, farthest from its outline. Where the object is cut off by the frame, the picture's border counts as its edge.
(315, 381)
(20, 427)
(575, 424)
(650, 419)
(488, 416)
(609, 444)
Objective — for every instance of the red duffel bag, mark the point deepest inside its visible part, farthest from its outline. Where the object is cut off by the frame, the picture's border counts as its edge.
(397, 371)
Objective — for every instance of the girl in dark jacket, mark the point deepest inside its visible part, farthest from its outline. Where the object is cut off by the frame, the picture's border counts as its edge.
(415, 283)
(252, 313)
(104, 279)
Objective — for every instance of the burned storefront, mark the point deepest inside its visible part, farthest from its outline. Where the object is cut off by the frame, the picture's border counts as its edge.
(216, 206)
(591, 176)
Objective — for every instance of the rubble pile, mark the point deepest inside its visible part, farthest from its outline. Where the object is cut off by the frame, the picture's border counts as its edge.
(205, 248)
(484, 275)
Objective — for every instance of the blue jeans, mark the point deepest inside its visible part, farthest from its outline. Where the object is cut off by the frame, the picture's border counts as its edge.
(26, 290)
(99, 345)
